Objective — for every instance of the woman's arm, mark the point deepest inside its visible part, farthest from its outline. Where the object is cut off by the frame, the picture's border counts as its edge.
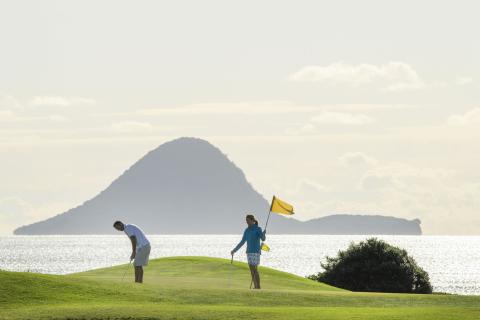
(241, 243)
(262, 234)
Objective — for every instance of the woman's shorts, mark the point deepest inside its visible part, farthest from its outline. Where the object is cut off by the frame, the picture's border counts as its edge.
(253, 259)
(141, 256)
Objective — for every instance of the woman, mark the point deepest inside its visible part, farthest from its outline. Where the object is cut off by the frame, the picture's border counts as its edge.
(252, 236)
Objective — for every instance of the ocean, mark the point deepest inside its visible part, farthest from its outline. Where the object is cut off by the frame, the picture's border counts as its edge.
(453, 262)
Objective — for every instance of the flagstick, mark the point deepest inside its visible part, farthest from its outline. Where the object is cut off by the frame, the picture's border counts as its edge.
(268, 218)
(265, 229)
(269, 212)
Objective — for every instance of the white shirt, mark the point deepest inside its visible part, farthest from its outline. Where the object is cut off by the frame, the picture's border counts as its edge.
(132, 230)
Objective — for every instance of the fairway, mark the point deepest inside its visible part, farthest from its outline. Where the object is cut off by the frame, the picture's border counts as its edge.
(209, 288)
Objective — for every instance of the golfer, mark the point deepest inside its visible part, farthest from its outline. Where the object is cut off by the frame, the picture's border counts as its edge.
(252, 236)
(140, 247)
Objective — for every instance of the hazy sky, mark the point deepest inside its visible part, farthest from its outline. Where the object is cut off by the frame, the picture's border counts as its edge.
(339, 107)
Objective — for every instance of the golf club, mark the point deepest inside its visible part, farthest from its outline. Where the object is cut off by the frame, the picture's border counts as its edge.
(126, 269)
(230, 273)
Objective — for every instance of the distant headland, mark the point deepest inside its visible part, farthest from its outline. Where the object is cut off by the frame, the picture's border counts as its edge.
(188, 186)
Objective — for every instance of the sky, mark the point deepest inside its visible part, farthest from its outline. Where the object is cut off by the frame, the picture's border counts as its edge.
(361, 107)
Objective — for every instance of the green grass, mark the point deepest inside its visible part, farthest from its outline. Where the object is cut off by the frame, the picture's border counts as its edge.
(209, 288)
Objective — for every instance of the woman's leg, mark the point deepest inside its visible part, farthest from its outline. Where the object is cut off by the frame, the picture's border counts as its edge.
(252, 273)
(256, 277)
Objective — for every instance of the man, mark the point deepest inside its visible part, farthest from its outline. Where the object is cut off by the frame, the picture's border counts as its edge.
(140, 247)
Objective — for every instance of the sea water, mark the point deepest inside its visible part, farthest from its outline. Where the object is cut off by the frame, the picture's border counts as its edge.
(453, 262)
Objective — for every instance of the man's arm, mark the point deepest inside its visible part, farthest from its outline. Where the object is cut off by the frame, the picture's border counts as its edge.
(133, 239)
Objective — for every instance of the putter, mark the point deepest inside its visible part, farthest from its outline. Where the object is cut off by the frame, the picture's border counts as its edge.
(126, 269)
(230, 273)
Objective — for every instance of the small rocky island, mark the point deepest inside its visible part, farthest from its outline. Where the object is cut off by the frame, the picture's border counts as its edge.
(188, 186)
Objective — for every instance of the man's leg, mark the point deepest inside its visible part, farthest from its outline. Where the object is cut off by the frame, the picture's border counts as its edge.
(138, 274)
(142, 260)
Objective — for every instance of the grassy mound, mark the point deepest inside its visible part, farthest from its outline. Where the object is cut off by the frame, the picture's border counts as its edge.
(209, 288)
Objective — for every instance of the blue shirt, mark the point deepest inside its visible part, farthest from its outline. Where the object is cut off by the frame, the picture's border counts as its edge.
(251, 236)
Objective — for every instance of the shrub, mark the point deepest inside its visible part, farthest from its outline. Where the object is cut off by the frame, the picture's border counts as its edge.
(374, 265)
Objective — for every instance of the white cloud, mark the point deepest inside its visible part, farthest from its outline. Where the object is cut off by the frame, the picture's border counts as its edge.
(309, 186)
(405, 170)
(375, 181)
(402, 175)
(330, 119)
(468, 118)
(463, 81)
(131, 127)
(6, 114)
(228, 108)
(12, 111)
(303, 188)
(49, 101)
(9, 103)
(307, 194)
(252, 108)
(357, 159)
(370, 107)
(393, 76)
(55, 118)
(15, 212)
(435, 195)
(305, 129)
(342, 118)
(58, 101)
(11, 207)
(85, 101)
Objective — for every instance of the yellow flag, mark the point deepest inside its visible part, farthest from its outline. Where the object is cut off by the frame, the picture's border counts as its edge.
(265, 247)
(281, 207)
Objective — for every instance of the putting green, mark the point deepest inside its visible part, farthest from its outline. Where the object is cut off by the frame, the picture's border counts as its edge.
(209, 288)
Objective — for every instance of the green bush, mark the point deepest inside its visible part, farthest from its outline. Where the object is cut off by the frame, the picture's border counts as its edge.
(374, 266)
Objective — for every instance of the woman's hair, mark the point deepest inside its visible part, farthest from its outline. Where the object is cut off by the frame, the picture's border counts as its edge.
(252, 217)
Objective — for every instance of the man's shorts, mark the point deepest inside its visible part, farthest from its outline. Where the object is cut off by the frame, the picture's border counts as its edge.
(253, 259)
(141, 256)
